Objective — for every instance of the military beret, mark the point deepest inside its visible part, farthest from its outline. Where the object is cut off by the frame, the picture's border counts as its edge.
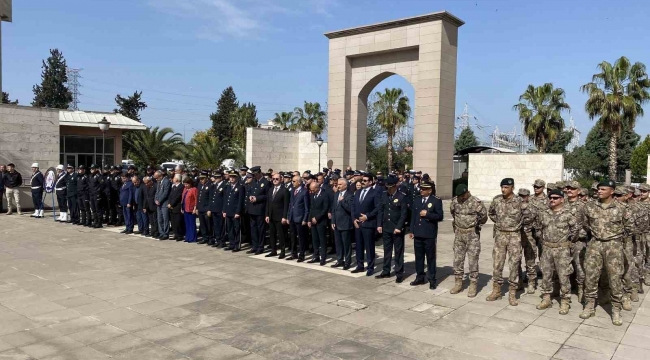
(556, 192)
(607, 183)
(508, 181)
(427, 184)
(573, 184)
(460, 189)
(523, 192)
(619, 190)
(539, 183)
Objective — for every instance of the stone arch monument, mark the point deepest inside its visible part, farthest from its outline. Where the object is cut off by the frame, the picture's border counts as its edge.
(422, 50)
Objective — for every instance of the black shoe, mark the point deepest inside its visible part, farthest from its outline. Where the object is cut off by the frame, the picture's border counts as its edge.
(236, 250)
(337, 264)
(228, 249)
(123, 231)
(383, 275)
(291, 257)
(370, 272)
(323, 262)
(417, 282)
(301, 260)
(358, 270)
(313, 260)
(180, 238)
(346, 267)
(128, 232)
(433, 285)
(399, 279)
(271, 254)
(164, 237)
(251, 251)
(201, 242)
(137, 232)
(260, 252)
(281, 256)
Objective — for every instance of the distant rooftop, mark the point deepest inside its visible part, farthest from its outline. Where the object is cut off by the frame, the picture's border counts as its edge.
(90, 119)
(441, 15)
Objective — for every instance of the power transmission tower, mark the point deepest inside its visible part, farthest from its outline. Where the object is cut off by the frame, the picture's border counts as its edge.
(73, 83)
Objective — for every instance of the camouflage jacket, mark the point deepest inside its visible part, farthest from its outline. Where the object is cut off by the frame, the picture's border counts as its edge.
(558, 226)
(539, 203)
(507, 215)
(469, 214)
(575, 207)
(529, 214)
(606, 221)
(640, 212)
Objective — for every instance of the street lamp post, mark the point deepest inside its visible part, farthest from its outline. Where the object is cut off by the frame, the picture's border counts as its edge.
(104, 125)
(319, 141)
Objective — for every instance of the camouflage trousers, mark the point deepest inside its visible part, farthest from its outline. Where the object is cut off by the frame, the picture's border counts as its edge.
(604, 255)
(556, 261)
(529, 244)
(506, 243)
(467, 242)
(630, 273)
(640, 253)
(578, 255)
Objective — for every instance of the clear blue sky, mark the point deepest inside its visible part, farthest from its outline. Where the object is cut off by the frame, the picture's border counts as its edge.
(274, 53)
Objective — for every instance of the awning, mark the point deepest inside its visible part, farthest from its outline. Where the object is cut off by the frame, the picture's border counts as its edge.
(90, 119)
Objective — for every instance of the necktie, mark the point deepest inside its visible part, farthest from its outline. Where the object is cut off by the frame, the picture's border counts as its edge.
(424, 200)
(275, 190)
(295, 192)
(363, 195)
(340, 197)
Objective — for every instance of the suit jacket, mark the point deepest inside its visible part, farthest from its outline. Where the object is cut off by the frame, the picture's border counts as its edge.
(149, 194)
(162, 191)
(176, 198)
(392, 212)
(342, 211)
(319, 206)
(259, 189)
(126, 193)
(217, 193)
(277, 206)
(299, 205)
(427, 226)
(139, 196)
(234, 200)
(369, 207)
(203, 200)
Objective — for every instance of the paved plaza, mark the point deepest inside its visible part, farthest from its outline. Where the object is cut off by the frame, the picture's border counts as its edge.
(69, 292)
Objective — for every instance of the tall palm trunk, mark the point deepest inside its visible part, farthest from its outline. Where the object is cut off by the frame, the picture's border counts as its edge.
(389, 148)
(612, 156)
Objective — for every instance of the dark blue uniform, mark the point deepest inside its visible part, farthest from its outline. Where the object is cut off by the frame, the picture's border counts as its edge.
(60, 188)
(202, 203)
(95, 189)
(256, 211)
(392, 217)
(72, 196)
(216, 211)
(37, 191)
(83, 199)
(425, 234)
(233, 206)
(127, 197)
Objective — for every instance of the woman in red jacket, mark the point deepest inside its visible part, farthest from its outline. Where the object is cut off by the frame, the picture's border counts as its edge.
(190, 196)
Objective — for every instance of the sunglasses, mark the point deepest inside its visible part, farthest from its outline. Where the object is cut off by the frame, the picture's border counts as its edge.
(365, 180)
(643, 191)
(555, 198)
(276, 179)
(537, 187)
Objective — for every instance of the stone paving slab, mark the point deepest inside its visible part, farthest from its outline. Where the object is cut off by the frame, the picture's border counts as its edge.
(70, 292)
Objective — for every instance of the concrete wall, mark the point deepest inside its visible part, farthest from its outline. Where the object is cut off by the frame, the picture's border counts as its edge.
(487, 170)
(283, 150)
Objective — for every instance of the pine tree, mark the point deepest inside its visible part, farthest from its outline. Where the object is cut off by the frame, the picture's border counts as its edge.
(53, 92)
(222, 126)
(5, 99)
(130, 106)
(639, 158)
(465, 139)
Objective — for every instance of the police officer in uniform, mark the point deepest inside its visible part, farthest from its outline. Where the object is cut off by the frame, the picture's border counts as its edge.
(391, 223)
(232, 210)
(71, 194)
(36, 183)
(95, 190)
(202, 203)
(116, 216)
(106, 194)
(257, 196)
(61, 193)
(83, 197)
(215, 209)
(426, 213)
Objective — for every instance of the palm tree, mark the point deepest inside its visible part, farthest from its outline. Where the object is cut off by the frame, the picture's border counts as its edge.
(208, 152)
(155, 146)
(284, 120)
(393, 111)
(540, 111)
(616, 96)
(311, 118)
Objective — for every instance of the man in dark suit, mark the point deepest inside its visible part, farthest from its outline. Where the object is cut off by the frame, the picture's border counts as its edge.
(163, 185)
(150, 207)
(232, 211)
(174, 206)
(276, 215)
(318, 209)
(342, 224)
(257, 195)
(127, 201)
(298, 215)
(392, 219)
(202, 204)
(140, 200)
(72, 192)
(215, 209)
(426, 214)
(365, 208)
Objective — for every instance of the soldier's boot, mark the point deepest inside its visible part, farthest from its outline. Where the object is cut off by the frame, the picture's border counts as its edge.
(471, 291)
(512, 296)
(640, 286)
(496, 292)
(458, 287)
(564, 306)
(646, 281)
(627, 304)
(530, 289)
(546, 302)
(581, 294)
(634, 296)
(589, 310)
(616, 316)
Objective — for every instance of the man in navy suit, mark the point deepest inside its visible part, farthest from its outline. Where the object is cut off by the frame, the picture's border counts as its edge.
(298, 215)
(365, 208)
(320, 204)
(342, 224)
(426, 213)
(127, 199)
(215, 209)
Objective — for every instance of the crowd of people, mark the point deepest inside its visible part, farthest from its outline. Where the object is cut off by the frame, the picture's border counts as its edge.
(559, 228)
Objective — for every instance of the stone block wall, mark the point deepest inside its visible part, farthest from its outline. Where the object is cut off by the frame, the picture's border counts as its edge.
(283, 150)
(487, 170)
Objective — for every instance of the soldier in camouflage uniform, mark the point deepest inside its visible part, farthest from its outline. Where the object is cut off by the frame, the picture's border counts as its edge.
(558, 227)
(469, 214)
(579, 244)
(506, 211)
(608, 223)
(643, 253)
(551, 186)
(631, 275)
(527, 241)
(584, 195)
(594, 191)
(539, 202)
